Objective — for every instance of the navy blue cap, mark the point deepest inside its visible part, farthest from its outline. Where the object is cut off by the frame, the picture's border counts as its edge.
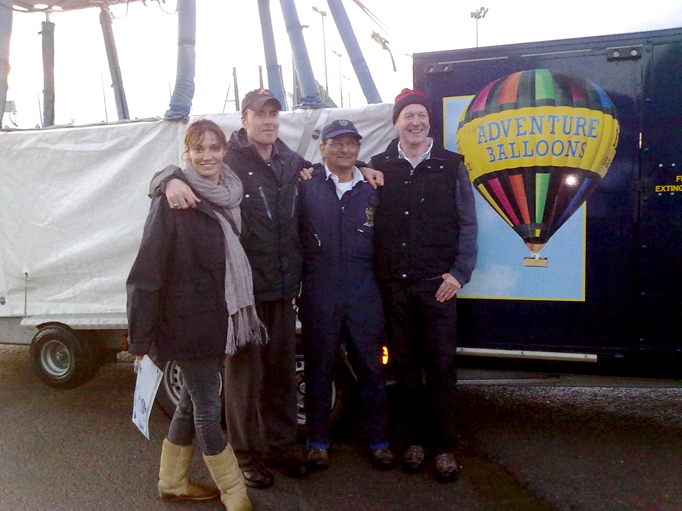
(339, 127)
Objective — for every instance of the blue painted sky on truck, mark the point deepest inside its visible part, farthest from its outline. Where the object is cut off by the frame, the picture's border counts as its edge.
(228, 35)
(500, 271)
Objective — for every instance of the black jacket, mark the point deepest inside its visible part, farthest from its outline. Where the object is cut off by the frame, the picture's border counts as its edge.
(426, 219)
(269, 216)
(176, 287)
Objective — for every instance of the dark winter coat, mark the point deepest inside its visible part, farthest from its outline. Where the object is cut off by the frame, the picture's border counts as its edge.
(176, 287)
(269, 216)
(337, 237)
(426, 220)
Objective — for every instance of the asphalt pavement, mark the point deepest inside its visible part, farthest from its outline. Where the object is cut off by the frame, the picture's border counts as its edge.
(548, 444)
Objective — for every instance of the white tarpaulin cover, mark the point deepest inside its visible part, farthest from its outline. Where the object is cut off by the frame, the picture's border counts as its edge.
(73, 202)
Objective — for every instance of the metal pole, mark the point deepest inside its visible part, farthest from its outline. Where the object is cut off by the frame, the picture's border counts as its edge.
(340, 76)
(236, 90)
(310, 92)
(114, 68)
(5, 36)
(47, 33)
(324, 49)
(354, 52)
(183, 93)
(104, 100)
(275, 83)
(477, 15)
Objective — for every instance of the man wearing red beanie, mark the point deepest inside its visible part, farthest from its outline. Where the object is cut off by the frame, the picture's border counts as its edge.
(425, 242)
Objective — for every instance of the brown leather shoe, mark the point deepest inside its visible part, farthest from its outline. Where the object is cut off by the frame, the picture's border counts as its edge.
(413, 459)
(318, 459)
(446, 467)
(382, 459)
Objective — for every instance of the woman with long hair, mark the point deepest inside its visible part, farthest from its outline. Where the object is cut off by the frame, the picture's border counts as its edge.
(190, 296)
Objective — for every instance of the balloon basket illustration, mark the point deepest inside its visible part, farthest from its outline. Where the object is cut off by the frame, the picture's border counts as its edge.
(536, 144)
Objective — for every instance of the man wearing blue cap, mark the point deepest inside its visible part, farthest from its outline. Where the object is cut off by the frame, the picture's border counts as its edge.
(340, 297)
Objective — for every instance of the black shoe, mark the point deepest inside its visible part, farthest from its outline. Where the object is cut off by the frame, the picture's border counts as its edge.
(382, 459)
(258, 478)
(413, 459)
(446, 467)
(291, 467)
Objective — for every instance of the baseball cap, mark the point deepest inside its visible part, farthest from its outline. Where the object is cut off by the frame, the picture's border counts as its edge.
(339, 127)
(257, 98)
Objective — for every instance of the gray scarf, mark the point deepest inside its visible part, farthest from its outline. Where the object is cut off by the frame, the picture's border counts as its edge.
(244, 326)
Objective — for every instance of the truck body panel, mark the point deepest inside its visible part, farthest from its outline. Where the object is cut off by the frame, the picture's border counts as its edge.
(632, 300)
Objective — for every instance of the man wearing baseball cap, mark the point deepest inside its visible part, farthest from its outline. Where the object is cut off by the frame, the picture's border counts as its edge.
(340, 293)
(425, 244)
(261, 378)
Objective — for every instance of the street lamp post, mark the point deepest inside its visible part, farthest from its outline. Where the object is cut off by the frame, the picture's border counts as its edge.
(340, 76)
(477, 15)
(324, 49)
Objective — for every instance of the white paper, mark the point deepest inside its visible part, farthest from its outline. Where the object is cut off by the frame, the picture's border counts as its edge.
(148, 380)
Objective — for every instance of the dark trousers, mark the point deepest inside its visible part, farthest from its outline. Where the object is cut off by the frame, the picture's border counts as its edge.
(260, 391)
(422, 340)
(322, 337)
(200, 407)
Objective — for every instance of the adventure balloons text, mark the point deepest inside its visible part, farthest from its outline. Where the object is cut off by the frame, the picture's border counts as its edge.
(550, 135)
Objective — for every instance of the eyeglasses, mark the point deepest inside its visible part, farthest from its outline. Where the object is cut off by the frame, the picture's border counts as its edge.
(338, 144)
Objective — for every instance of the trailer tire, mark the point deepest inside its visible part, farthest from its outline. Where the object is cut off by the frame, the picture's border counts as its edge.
(60, 359)
(168, 394)
(340, 395)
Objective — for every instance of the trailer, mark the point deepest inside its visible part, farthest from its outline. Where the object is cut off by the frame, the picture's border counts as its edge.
(609, 281)
(74, 205)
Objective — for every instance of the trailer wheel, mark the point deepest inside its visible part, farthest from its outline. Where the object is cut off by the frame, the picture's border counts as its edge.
(169, 389)
(60, 359)
(340, 392)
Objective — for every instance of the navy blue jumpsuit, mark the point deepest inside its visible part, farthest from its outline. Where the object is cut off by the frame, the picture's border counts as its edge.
(340, 301)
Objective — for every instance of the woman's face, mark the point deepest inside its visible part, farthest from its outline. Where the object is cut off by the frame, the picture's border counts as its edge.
(207, 156)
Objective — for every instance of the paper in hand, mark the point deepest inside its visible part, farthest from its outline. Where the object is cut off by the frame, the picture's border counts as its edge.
(148, 380)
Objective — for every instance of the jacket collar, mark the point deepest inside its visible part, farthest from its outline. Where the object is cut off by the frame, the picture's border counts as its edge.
(240, 142)
(391, 153)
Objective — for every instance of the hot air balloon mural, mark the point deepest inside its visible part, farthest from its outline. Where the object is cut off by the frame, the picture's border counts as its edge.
(536, 145)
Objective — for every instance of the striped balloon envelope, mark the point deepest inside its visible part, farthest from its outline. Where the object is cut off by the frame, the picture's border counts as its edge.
(536, 144)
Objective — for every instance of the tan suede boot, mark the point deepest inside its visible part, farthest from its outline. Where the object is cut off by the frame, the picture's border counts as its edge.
(225, 472)
(173, 482)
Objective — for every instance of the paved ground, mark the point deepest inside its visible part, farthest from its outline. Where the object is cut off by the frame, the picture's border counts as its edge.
(523, 448)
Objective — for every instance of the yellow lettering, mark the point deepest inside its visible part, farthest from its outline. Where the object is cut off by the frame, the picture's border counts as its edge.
(678, 179)
(668, 188)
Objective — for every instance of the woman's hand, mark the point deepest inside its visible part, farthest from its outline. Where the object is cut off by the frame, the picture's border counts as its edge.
(136, 364)
(179, 195)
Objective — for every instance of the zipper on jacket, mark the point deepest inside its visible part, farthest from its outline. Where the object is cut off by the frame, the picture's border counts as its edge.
(293, 203)
(265, 202)
(319, 243)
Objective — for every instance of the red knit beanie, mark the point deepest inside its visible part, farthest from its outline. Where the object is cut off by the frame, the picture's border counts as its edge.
(408, 97)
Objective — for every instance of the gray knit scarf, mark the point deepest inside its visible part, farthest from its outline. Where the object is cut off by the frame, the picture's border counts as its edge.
(244, 326)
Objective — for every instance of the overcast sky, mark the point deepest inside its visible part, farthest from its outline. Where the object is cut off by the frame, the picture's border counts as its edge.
(228, 35)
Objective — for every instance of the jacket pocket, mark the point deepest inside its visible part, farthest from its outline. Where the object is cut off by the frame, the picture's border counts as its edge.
(265, 202)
